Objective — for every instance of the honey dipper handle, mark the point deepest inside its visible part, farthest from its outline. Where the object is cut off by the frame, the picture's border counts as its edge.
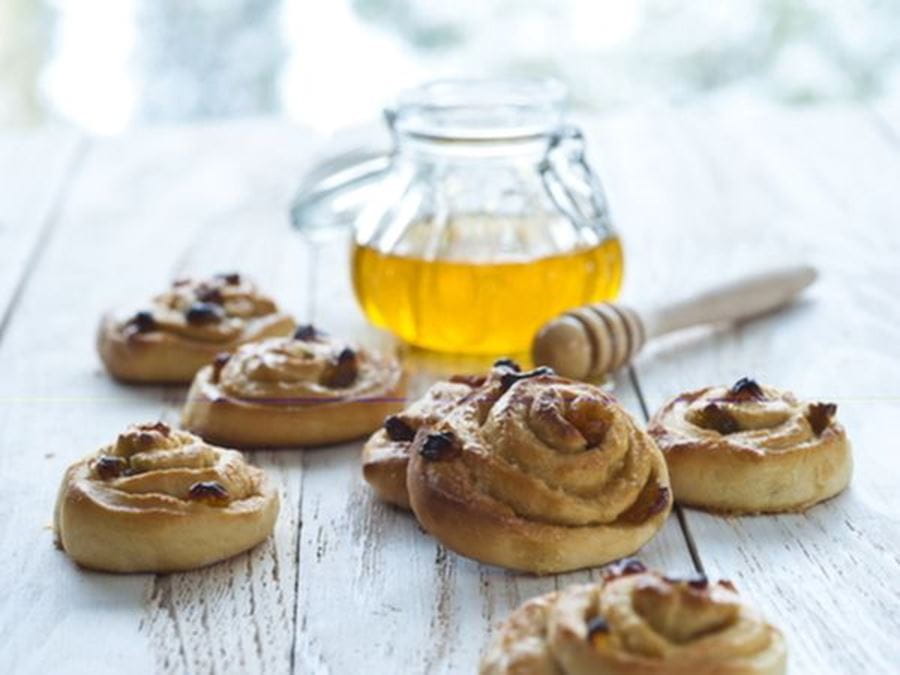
(733, 301)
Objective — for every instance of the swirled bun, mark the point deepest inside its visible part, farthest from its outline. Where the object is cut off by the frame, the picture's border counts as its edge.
(385, 455)
(752, 449)
(309, 389)
(183, 329)
(161, 500)
(637, 622)
(536, 472)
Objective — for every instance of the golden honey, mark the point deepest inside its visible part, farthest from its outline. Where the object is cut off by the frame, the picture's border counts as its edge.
(480, 307)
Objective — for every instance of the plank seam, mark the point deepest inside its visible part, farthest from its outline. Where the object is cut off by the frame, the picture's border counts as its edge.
(296, 614)
(883, 126)
(47, 228)
(161, 593)
(679, 512)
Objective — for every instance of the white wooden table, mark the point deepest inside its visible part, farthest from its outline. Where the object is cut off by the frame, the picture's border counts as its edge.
(346, 584)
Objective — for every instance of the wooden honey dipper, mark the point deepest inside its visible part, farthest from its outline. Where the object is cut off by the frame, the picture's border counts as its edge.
(596, 339)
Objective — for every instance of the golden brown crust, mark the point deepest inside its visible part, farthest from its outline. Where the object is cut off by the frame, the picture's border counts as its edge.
(752, 449)
(289, 392)
(160, 500)
(539, 473)
(384, 468)
(385, 455)
(637, 623)
(184, 328)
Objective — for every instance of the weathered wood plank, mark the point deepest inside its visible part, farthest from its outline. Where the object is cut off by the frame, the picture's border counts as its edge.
(738, 192)
(129, 222)
(34, 171)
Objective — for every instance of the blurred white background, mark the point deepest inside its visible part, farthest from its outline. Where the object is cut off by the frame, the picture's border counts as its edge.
(107, 65)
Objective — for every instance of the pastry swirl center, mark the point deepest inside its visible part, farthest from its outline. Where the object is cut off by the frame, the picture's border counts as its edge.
(557, 451)
(211, 310)
(291, 371)
(153, 461)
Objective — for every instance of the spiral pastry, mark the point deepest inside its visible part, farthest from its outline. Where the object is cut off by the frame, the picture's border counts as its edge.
(752, 449)
(385, 455)
(309, 389)
(161, 500)
(184, 328)
(637, 621)
(536, 472)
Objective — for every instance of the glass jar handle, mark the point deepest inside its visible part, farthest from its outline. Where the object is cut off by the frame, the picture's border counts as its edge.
(576, 190)
(330, 194)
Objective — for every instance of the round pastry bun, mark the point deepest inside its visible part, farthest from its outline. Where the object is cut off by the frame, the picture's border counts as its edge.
(636, 621)
(183, 328)
(161, 500)
(166, 358)
(752, 449)
(538, 473)
(385, 455)
(270, 394)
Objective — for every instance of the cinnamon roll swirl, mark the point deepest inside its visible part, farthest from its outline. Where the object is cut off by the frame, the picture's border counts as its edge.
(536, 472)
(637, 621)
(183, 329)
(309, 389)
(752, 449)
(161, 500)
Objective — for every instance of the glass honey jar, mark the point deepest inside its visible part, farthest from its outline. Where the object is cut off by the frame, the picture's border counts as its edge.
(483, 222)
